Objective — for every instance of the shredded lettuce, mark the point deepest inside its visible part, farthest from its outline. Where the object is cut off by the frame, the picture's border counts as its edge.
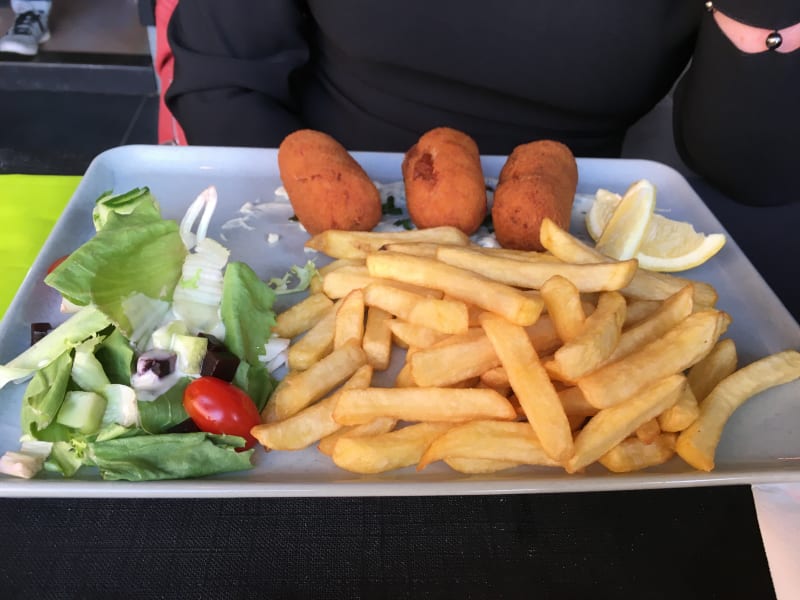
(296, 279)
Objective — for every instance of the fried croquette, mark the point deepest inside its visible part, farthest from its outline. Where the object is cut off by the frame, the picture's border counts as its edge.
(328, 189)
(444, 181)
(538, 180)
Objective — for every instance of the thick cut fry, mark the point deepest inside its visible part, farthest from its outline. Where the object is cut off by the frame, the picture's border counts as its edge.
(377, 341)
(697, 444)
(417, 336)
(403, 379)
(677, 350)
(458, 283)
(648, 432)
(595, 343)
(385, 452)
(543, 335)
(671, 312)
(357, 244)
(302, 316)
(633, 454)
(349, 320)
(563, 302)
(720, 362)
(374, 427)
(492, 440)
(427, 249)
(531, 385)
(300, 389)
(341, 282)
(612, 425)
(478, 466)
(316, 343)
(445, 316)
(575, 404)
(639, 310)
(422, 404)
(588, 277)
(682, 414)
(311, 423)
(645, 285)
(497, 379)
(453, 362)
(339, 263)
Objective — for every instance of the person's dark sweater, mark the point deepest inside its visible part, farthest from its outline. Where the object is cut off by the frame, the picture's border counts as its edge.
(376, 75)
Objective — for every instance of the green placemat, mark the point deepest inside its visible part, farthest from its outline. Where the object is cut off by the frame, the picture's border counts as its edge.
(29, 207)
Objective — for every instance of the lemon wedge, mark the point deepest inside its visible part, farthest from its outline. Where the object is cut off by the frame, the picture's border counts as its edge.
(667, 245)
(623, 234)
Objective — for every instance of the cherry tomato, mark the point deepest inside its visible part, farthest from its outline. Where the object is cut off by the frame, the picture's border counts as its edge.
(217, 406)
(55, 263)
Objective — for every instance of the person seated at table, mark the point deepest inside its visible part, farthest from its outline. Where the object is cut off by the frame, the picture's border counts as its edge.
(375, 75)
(30, 28)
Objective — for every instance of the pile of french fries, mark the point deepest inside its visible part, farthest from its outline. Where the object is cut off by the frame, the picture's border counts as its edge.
(505, 358)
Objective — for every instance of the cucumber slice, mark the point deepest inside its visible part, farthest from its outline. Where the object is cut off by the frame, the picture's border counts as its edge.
(190, 350)
(82, 411)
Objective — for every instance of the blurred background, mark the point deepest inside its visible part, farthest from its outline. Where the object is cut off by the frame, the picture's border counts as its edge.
(91, 87)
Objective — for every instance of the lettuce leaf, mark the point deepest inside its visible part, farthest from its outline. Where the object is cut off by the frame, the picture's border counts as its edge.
(120, 263)
(246, 312)
(168, 456)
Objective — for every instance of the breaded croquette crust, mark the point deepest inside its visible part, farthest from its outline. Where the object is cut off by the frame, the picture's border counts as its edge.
(328, 189)
(444, 181)
(538, 180)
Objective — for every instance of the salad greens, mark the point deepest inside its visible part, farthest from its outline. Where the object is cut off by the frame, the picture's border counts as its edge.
(141, 285)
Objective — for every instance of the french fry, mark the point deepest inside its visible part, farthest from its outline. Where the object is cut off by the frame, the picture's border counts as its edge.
(543, 335)
(632, 454)
(697, 444)
(588, 277)
(648, 432)
(445, 316)
(645, 285)
(678, 349)
(706, 374)
(612, 425)
(316, 343)
(575, 403)
(639, 310)
(563, 302)
(387, 451)
(302, 316)
(404, 379)
(594, 344)
(377, 341)
(458, 283)
(681, 414)
(671, 312)
(411, 334)
(303, 388)
(421, 404)
(358, 244)
(427, 249)
(310, 424)
(497, 379)
(344, 280)
(349, 320)
(531, 385)
(448, 364)
(339, 263)
(374, 427)
(512, 442)
(478, 466)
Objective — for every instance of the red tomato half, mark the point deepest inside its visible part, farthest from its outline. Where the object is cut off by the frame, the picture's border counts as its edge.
(217, 406)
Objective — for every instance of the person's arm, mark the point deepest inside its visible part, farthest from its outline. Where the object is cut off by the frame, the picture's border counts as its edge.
(235, 63)
(736, 108)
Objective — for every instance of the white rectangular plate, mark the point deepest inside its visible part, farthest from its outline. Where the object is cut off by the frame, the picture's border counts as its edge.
(760, 443)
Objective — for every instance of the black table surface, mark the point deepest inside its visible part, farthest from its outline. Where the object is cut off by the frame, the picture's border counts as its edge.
(680, 543)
